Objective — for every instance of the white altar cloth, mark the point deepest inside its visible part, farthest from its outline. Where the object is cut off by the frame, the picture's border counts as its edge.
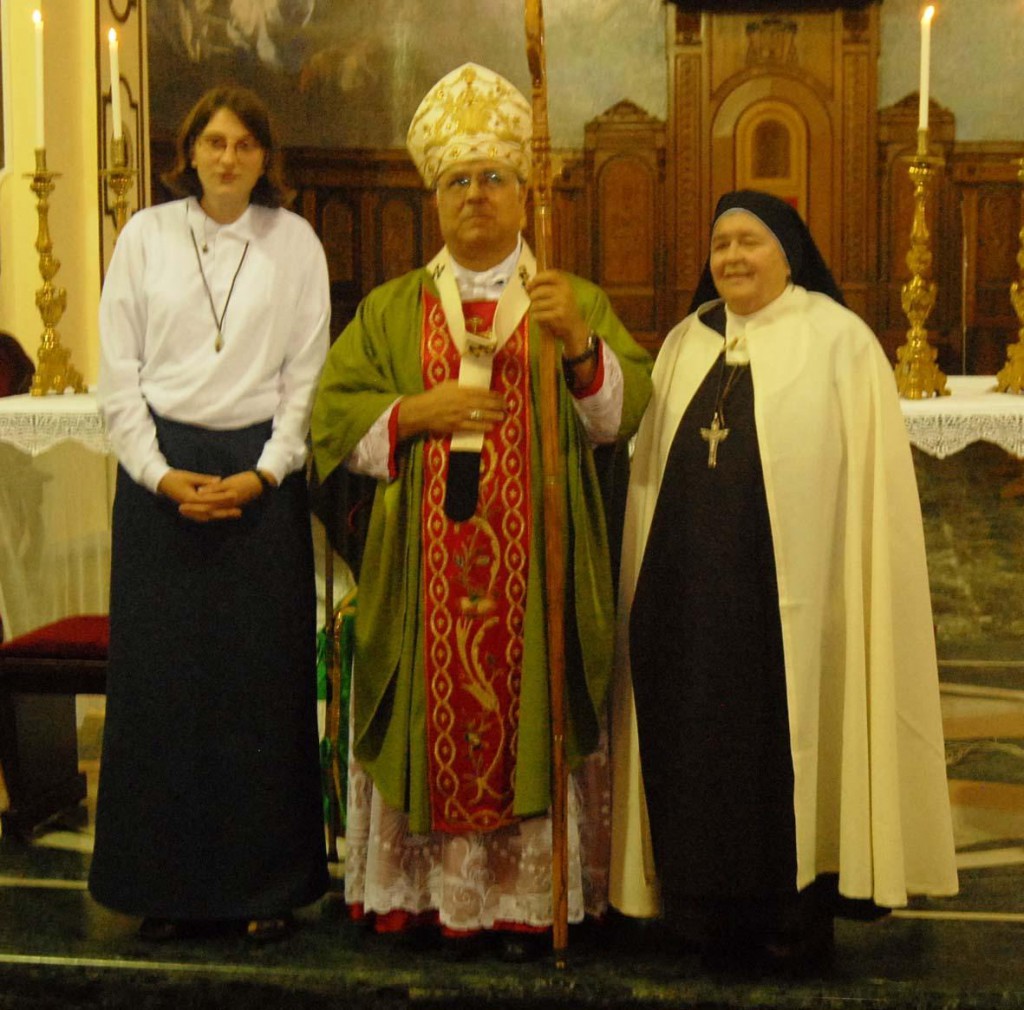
(56, 490)
(973, 412)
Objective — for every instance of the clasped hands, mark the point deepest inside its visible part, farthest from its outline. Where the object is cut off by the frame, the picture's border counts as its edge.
(204, 497)
(448, 408)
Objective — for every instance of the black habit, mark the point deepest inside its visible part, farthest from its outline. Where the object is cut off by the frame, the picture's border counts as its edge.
(708, 670)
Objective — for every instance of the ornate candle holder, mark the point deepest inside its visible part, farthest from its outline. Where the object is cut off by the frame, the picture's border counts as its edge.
(917, 374)
(119, 180)
(1011, 378)
(54, 371)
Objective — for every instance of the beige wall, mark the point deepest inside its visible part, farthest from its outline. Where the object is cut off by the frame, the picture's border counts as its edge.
(70, 55)
(977, 62)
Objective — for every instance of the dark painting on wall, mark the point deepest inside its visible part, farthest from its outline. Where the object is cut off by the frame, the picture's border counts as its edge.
(350, 73)
(335, 73)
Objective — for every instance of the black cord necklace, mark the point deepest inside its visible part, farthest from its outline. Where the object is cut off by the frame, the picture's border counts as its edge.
(218, 344)
(718, 432)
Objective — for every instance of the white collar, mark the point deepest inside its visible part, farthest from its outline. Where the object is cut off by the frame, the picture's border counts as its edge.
(204, 227)
(486, 285)
(736, 350)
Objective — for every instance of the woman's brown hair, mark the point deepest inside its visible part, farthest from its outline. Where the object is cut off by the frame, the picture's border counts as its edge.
(183, 180)
(16, 367)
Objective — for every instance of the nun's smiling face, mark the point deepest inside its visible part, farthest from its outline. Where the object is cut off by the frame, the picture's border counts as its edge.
(747, 263)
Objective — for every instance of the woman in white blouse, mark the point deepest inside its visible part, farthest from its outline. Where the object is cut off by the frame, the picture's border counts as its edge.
(214, 325)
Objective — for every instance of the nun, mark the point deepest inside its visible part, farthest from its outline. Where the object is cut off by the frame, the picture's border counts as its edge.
(777, 748)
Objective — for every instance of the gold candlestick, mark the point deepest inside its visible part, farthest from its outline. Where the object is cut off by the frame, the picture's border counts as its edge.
(1011, 378)
(54, 371)
(917, 374)
(119, 180)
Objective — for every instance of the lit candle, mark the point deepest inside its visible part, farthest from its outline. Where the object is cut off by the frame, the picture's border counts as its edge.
(926, 59)
(40, 130)
(115, 84)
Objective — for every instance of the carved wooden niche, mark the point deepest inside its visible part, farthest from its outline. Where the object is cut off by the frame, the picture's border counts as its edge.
(991, 205)
(781, 102)
(625, 166)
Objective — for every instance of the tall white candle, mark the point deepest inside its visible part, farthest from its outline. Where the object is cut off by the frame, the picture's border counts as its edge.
(115, 84)
(40, 121)
(926, 61)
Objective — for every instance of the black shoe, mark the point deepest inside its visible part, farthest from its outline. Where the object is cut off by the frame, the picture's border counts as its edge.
(269, 930)
(521, 948)
(810, 954)
(463, 948)
(155, 930)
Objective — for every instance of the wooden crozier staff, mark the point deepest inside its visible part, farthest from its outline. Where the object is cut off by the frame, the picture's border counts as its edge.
(554, 522)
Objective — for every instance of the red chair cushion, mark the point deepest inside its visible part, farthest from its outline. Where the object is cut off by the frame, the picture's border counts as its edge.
(85, 636)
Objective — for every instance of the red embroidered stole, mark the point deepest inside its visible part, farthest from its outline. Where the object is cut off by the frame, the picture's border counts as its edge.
(474, 584)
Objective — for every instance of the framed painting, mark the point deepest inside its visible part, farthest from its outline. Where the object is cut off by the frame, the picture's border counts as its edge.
(335, 73)
(346, 74)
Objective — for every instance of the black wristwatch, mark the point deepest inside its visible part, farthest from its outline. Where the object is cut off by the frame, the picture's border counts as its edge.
(264, 480)
(590, 352)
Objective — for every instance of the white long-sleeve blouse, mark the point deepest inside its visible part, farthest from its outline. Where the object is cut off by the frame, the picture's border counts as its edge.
(158, 331)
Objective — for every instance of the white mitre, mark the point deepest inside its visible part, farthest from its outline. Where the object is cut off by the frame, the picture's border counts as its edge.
(471, 113)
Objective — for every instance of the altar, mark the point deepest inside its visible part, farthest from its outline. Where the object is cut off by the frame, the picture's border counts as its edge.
(57, 479)
(968, 452)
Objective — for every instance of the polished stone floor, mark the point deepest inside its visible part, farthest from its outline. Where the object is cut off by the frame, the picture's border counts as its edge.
(58, 948)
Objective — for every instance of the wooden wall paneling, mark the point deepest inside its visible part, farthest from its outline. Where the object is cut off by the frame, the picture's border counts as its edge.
(748, 90)
(897, 132)
(771, 146)
(368, 209)
(161, 158)
(805, 81)
(625, 158)
(570, 215)
(990, 200)
(687, 215)
(858, 210)
(338, 222)
(570, 235)
(398, 222)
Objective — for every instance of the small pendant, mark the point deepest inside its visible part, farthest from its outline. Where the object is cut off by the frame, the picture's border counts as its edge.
(218, 344)
(713, 435)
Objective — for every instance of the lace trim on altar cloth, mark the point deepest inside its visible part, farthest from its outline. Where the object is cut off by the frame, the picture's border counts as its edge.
(945, 435)
(52, 420)
(475, 880)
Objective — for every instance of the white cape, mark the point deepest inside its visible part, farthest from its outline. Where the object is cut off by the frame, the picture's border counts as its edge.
(870, 796)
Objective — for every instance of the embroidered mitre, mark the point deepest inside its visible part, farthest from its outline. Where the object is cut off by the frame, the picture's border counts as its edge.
(471, 113)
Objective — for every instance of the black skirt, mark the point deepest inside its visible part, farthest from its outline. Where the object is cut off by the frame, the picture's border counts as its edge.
(209, 796)
(708, 669)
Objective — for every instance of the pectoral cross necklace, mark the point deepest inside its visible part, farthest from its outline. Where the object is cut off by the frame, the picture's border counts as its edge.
(718, 432)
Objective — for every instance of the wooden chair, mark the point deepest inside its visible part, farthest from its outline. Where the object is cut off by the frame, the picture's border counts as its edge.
(41, 673)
